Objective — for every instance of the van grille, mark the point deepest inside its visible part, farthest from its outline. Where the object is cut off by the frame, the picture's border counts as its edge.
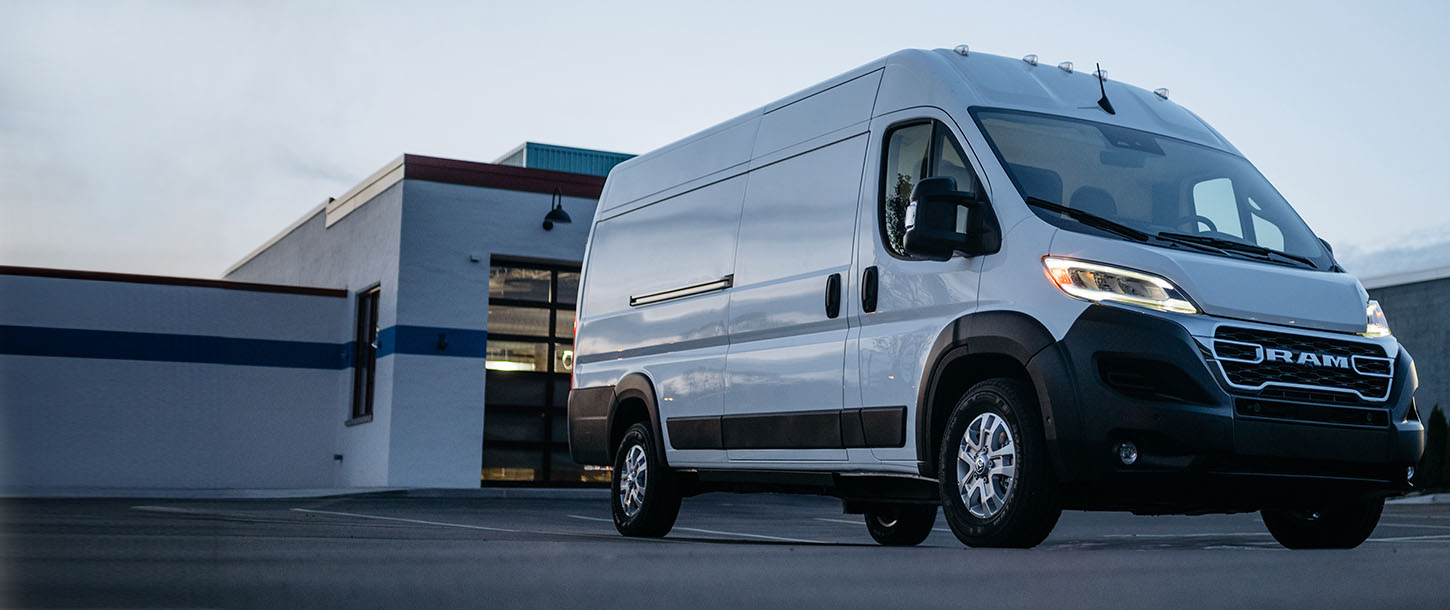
(1256, 359)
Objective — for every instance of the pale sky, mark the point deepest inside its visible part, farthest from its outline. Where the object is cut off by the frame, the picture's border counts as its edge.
(175, 137)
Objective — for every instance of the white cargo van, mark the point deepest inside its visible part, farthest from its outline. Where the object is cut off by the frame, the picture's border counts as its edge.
(996, 286)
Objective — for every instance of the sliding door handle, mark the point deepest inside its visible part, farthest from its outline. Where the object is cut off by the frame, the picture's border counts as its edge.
(833, 295)
(868, 289)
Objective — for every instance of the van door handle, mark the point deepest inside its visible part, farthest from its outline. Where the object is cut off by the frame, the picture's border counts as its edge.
(868, 289)
(833, 295)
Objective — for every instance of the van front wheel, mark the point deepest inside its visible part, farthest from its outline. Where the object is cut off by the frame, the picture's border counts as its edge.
(997, 487)
(643, 495)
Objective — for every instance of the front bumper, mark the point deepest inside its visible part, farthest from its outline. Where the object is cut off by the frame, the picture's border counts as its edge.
(1125, 375)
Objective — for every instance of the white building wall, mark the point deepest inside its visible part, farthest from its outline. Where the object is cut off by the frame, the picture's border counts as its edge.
(141, 385)
(357, 252)
(449, 234)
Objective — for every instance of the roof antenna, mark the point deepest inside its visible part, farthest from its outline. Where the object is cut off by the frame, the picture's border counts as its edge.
(1104, 103)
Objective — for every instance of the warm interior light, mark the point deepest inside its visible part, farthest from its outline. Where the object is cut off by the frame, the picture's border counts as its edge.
(508, 365)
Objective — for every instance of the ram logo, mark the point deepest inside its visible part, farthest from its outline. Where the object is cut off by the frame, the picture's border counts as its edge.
(1306, 358)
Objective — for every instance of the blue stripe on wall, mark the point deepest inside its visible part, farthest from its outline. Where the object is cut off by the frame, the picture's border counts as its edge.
(431, 341)
(164, 347)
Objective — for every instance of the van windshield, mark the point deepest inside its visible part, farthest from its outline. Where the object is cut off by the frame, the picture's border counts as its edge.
(1152, 183)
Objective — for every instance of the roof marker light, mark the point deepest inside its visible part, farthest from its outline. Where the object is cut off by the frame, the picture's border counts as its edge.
(961, 50)
(1030, 58)
(1101, 74)
(1161, 92)
(1066, 67)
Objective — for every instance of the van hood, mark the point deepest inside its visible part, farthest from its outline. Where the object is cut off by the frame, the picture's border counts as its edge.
(1232, 287)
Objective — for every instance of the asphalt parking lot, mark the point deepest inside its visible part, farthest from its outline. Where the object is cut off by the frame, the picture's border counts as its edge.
(726, 551)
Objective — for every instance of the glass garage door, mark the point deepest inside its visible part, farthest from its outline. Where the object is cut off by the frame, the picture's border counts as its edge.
(530, 353)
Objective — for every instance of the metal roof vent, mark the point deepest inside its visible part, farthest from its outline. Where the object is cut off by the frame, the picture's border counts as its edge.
(961, 50)
(1030, 58)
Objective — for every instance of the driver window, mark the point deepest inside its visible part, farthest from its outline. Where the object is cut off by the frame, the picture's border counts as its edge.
(913, 152)
(1215, 201)
(906, 163)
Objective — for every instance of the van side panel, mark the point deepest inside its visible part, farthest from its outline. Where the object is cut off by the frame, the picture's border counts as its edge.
(845, 104)
(786, 355)
(703, 157)
(679, 343)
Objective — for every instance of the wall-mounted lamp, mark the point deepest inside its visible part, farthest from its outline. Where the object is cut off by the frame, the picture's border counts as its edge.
(557, 214)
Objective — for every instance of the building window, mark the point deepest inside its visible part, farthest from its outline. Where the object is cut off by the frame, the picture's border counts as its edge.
(529, 356)
(365, 355)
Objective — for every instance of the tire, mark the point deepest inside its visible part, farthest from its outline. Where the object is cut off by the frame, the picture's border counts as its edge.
(1339, 527)
(643, 495)
(997, 504)
(900, 524)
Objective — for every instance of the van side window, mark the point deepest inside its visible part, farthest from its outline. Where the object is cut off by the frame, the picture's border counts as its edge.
(912, 152)
(906, 163)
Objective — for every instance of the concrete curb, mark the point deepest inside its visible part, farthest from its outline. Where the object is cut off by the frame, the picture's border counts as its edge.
(73, 493)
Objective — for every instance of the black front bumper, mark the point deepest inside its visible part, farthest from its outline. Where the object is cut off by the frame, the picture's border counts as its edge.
(1121, 375)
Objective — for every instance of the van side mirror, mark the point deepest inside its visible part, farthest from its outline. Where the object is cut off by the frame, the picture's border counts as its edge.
(1327, 246)
(932, 230)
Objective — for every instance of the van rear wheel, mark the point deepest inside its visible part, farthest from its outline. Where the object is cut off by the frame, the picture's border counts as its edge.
(997, 487)
(1337, 527)
(900, 524)
(643, 495)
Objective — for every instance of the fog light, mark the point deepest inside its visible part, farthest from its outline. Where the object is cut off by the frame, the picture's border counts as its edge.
(1127, 453)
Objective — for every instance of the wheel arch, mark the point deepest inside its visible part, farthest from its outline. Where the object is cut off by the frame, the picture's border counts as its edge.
(973, 348)
(634, 401)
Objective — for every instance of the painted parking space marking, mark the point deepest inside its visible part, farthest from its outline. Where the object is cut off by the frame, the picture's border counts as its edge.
(863, 523)
(1445, 537)
(402, 520)
(714, 532)
(1423, 525)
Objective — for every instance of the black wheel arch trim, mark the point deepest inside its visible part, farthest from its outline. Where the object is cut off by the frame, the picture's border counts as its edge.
(1015, 335)
(637, 385)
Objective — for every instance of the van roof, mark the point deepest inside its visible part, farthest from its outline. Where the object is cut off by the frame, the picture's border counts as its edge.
(1005, 82)
(943, 78)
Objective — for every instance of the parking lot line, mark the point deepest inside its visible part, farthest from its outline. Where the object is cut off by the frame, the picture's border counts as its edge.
(418, 521)
(715, 532)
(1411, 538)
(862, 523)
(1424, 525)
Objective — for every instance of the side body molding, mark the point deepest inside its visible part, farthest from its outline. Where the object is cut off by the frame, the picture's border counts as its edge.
(1008, 334)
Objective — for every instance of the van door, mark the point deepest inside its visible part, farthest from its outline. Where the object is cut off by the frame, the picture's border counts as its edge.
(785, 366)
(906, 302)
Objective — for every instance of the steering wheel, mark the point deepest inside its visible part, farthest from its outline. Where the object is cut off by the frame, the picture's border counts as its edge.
(1212, 228)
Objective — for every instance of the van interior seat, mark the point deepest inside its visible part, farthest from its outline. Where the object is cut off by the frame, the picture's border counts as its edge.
(1043, 184)
(1094, 200)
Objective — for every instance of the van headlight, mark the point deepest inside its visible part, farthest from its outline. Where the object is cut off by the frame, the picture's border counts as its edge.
(1095, 282)
(1375, 323)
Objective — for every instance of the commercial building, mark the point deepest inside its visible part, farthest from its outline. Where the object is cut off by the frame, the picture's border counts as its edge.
(414, 332)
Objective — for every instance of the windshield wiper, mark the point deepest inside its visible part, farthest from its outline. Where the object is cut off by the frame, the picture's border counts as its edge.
(1089, 219)
(1229, 244)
